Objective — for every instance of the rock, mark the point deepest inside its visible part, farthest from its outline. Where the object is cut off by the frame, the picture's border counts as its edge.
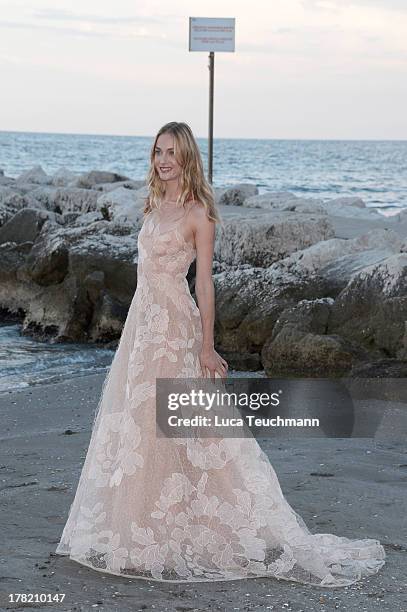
(25, 225)
(121, 204)
(6, 212)
(94, 177)
(350, 207)
(297, 353)
(307, 315)
(71, 199)
(338, 273)
(63, 177)
(69, 218)
(271, 199)
(94, 283)
(248, 303)
(73, 284)
(6, 180)
(382, 368)
(108, 318)
(262, 241)
(36, 175)
(345, 201)
(45, 195)
(11, 201)
(237, 194)
(130, 184)
(114, 254)
(85, 219)
(285, 201)
(67, 199)
(299, 345)
(337, 260)
(18, 201)
(12, 259)
(372, 308)
(48, 262)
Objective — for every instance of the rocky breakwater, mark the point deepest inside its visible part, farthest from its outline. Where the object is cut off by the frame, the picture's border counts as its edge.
(303, 286)
(68, 252)
(307, 287)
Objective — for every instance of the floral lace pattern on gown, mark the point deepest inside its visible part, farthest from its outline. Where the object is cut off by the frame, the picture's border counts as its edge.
(185, 509)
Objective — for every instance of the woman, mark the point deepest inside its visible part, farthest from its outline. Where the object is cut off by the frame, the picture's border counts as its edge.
(186, 509)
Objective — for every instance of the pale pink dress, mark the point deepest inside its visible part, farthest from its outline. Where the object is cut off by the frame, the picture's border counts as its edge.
(185, 509)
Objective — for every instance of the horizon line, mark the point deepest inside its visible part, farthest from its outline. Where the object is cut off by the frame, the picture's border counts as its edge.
(202, 137)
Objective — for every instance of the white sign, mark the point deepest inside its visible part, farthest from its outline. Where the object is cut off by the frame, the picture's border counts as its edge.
(211, 34)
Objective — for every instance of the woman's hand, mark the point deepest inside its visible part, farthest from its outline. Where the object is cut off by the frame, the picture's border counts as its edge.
(212, 361)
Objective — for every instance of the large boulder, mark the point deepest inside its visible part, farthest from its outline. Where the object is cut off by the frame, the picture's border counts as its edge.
(248, 304)
(249, 301)
(35, 175)
(337, 260)
(63, 177)
(270, 237)
(70, 280)
(91, 179)
(106, 324)
(13, 256)
(25, 225)
(12, 201)
(285, 201)
(350, 206)
(121, 204)
(48, 262)
(372, 308)
(85, 218)
(6, 180)
(130, 184)
(236, 195)
(66, 199)
(300, 346)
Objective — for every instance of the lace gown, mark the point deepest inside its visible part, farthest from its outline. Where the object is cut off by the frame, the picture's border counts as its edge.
(185, 509)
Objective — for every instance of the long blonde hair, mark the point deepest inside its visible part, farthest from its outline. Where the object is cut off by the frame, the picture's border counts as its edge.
(194, 185)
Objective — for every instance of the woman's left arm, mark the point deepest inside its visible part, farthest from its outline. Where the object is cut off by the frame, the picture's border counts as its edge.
(204, 232)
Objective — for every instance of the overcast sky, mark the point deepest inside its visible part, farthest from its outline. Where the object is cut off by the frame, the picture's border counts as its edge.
(301, 69)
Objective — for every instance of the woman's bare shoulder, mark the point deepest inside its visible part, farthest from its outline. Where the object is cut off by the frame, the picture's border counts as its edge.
(197, 209)
(198, 215)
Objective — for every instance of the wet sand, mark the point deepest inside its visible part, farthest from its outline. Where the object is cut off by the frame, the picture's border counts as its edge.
(350, 487)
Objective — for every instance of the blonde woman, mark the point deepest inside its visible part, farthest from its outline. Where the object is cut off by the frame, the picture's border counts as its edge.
(186, 509)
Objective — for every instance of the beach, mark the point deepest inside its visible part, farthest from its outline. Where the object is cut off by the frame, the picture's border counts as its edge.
(353, 487)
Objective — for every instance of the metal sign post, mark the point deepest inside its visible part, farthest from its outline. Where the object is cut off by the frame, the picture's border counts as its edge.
(211, 67)
(211, 34)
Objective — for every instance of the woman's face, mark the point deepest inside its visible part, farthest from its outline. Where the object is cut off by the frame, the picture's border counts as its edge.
(164, 159)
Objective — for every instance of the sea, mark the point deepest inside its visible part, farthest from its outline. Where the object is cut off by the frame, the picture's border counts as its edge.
(374, 170)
